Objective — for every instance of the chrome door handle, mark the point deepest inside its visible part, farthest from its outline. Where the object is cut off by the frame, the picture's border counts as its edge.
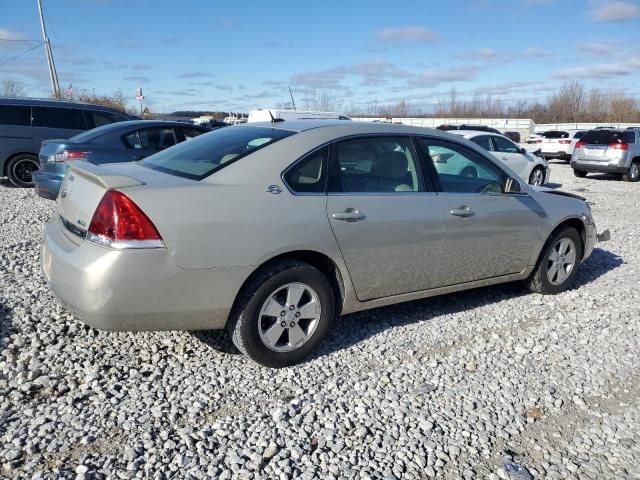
(462, 211)
(349, 215)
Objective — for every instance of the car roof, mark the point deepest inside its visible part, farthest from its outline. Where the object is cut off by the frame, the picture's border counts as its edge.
(473, 133)
(50, 102)
(346, 127)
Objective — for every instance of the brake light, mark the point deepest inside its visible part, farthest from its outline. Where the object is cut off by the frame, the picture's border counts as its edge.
(66, 155)
(619, 146)
(119, 223)
(580, 144)
(565, 142)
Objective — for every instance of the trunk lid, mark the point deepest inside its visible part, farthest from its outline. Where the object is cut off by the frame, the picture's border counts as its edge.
(49, 147)
(85, 184)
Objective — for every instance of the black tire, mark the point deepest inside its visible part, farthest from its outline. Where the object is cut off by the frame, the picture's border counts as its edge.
(633, 174)
(243, 325)
(534, 172)
(538, 281)
(19, 170)
(579, 173)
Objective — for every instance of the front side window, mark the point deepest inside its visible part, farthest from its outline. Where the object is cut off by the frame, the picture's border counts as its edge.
(55, 117)
(484, 141)
(150, 139)
(203, 155)
(376, 165)
(505, 146)
(15, 115)
(461, 170)
(308, 175)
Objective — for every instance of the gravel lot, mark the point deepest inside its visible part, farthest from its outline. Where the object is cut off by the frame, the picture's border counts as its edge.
(439, 388)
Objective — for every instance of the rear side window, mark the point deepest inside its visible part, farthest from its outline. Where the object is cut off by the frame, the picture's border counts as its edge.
(200, 157)
(309, 174)
(150, 139)
(555, 134)
(97, 119)
(15, 115)
(54, 117)
(605, 137)
(483, 141)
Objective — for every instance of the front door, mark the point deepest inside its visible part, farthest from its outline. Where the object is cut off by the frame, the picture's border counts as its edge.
(489, 233)
(388, 223)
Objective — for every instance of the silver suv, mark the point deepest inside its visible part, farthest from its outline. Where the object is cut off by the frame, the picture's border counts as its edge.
(608, 150)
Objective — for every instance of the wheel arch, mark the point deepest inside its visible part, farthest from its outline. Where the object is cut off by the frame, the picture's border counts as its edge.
(321, 261)
(574, 222)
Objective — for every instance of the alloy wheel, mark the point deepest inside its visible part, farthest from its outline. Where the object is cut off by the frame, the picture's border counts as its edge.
(537, 177)
(561, 261)
(23, 169)
(289, 317)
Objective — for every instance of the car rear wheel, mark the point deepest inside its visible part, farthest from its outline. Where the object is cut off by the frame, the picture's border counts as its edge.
(283, 314)
(537, 176)
(633, 174)
(558, 263)
(20, 168)
(579, 173)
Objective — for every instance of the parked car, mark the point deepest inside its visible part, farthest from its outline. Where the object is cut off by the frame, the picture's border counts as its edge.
(533, 138)
(212, 125)
(114, 143)
(513, 136)
(479, 128)
(530, 167)
(26, 122)
(271, 230)
(559, 143)
(447, 128)
(608, 150)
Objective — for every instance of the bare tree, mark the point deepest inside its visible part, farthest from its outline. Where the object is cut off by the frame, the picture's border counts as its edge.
(623, 109)
(568, 103)
(13, 88)
(116, 100)
(325, 101)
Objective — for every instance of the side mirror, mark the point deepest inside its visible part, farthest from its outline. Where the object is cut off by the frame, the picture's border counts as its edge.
(512, 186)
(523, 150)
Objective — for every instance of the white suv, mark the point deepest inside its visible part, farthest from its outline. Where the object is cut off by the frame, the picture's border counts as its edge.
(559, 143)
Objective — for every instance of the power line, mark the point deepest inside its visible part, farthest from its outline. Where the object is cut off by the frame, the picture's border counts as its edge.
(20, 54)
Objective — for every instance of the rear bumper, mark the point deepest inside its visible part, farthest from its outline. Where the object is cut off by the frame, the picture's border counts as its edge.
(135, 290)
(47, 184)
(556, 154)
(594, 166)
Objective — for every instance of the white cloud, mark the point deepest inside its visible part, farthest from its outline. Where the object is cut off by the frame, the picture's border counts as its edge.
(597, 48)
(431, 78)
(601, 70)
(486, 55)
(616, 11)
(9, 35)
(372, 72)
(406, 35)
(537, 52)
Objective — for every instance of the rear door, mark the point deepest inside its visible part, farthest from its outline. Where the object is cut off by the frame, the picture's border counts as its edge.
(142, 142)
(489, 233)
(388, 223)
(57, 122)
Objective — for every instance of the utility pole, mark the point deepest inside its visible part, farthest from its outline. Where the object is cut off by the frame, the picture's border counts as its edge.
(53, 75)
(292, 101)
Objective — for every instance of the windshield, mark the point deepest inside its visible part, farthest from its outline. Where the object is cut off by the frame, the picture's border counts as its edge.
(555, 134)
(606, 137)
(200, 157)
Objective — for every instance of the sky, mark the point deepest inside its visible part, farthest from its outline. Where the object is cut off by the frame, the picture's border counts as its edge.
(244, 54)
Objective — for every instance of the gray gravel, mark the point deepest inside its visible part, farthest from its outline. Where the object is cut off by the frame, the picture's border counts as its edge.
(449, 387)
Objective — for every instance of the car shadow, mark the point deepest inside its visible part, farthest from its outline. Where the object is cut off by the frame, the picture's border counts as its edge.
(605, 177)
(357, 327)
(552, 185)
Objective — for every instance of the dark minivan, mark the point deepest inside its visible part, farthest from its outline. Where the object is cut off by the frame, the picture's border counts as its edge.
(26, 122)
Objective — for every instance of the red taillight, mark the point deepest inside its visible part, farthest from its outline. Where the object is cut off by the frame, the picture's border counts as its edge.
(619, 146)
(119, 223)
(580, 144)
(66, 155)
(565, 142)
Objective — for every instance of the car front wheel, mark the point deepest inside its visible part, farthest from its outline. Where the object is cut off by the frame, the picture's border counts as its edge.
(580, 173)
(283, 314)
(558, 263)
(537, 176)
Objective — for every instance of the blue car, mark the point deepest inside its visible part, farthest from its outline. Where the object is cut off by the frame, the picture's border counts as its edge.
(128, 141)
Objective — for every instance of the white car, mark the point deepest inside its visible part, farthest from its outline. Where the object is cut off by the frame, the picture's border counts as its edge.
(532, 168)
(559, 143)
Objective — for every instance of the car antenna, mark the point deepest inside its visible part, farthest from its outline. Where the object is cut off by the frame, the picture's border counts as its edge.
(274, 119)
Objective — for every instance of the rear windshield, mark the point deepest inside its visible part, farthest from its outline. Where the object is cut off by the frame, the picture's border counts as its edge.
(555, 134)
(200, 157)
(605, 137)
